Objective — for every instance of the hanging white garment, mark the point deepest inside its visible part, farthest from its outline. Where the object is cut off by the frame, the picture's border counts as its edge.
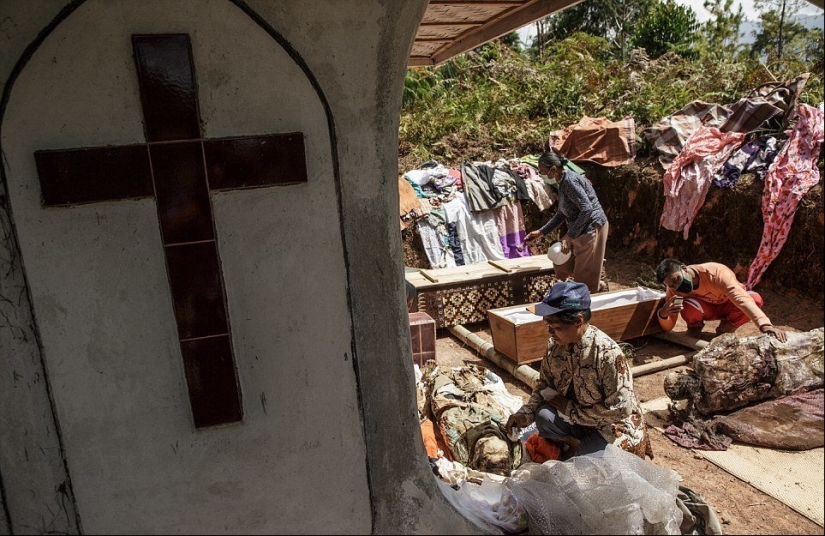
(477, 231)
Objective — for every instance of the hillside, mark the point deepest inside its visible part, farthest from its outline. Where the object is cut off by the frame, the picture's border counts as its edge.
(498, 104)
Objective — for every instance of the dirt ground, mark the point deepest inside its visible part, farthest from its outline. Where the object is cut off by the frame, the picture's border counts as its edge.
(742, 509)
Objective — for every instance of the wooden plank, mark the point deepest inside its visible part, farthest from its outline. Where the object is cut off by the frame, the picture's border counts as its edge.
(517, 268)
(504, 335)
(420, 61)
(470, 24)
(415, 278)
(538, 261)
(505, 3)
(532, 341)
(428, 276)
(471, 273)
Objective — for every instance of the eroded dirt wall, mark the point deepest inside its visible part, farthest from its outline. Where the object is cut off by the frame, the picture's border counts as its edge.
(727, 229)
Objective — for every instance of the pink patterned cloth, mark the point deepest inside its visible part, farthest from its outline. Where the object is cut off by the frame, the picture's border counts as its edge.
(689, 177)
(793, 173)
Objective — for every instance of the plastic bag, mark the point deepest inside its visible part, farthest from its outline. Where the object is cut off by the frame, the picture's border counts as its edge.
(617, 494)
(487, 503)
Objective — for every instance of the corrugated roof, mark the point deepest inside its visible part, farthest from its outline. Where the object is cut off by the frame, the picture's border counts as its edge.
(450, 27)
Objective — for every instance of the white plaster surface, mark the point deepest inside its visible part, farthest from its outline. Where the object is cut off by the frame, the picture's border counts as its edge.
(104, 310)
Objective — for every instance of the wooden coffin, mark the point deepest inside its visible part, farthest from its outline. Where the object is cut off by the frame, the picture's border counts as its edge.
(464, 294)
(622, 314)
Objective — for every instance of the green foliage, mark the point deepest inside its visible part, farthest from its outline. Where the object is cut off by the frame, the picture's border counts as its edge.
(613, 20)
(668, 27)
(499, 103)
(511, 40)
(720, 34)
(779, 36)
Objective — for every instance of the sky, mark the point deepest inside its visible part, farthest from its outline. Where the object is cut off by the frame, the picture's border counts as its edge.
(812, 13)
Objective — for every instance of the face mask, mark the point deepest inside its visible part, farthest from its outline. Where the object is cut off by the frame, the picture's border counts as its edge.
(686, 285)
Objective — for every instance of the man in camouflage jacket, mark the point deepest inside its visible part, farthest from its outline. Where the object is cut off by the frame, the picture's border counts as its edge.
(584, 397)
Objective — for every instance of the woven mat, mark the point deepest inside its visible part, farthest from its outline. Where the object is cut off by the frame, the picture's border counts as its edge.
(793, 478)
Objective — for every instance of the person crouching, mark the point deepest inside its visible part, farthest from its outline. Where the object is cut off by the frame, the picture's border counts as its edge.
(584, 396)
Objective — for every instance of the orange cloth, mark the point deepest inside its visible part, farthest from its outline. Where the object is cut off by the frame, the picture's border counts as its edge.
(430, 443)
(541, 450)
(718, 284)
(407, 200)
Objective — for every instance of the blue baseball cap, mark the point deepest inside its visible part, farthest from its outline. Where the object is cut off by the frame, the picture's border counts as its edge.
(563, 296)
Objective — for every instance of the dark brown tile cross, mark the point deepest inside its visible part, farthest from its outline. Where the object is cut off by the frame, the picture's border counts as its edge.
(179, 168)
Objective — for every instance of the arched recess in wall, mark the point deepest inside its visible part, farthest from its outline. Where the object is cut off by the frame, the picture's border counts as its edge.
(72, 8)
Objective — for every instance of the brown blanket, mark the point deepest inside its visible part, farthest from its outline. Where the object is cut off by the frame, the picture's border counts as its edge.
(793, 422)
(597, 140)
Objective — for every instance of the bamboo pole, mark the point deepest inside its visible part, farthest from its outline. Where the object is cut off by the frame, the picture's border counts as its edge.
(682, 339)
(523, 373)
(529, 376)
(664, 364)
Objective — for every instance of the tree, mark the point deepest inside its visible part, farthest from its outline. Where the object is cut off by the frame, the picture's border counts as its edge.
(777, 28)
(624, 17)
(511, 40)
(721, 31)
(613, 20)
(667, 27)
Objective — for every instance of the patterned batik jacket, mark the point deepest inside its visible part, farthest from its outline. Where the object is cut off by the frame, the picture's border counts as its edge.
(593, 376)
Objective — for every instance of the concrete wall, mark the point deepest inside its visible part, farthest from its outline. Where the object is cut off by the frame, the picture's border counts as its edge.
(329, 441)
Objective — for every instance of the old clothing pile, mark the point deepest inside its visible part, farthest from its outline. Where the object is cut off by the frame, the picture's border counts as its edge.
(768, 106)
(474, 214)
(688, 179)
(755, 157)
(793, 173)
(705, 144)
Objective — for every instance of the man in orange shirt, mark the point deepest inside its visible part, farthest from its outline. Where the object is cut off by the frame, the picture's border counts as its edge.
(709, 291)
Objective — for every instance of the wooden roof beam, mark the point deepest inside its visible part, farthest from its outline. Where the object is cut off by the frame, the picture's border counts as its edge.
(444, 23)
(420, 61)
(505, 23)
(504, 3)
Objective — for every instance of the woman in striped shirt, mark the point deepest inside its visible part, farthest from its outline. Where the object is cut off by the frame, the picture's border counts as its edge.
(587, 225)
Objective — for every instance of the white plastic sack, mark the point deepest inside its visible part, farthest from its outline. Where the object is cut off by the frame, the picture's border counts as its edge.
(486, 503)
(617, 494)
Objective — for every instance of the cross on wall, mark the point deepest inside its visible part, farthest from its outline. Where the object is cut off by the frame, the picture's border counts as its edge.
(178, 167)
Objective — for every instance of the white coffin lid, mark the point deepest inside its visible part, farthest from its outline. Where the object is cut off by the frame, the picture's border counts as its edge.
(518, 314)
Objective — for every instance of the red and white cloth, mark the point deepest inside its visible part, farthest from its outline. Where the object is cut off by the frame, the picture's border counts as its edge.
(792, 174)
(689, 177)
